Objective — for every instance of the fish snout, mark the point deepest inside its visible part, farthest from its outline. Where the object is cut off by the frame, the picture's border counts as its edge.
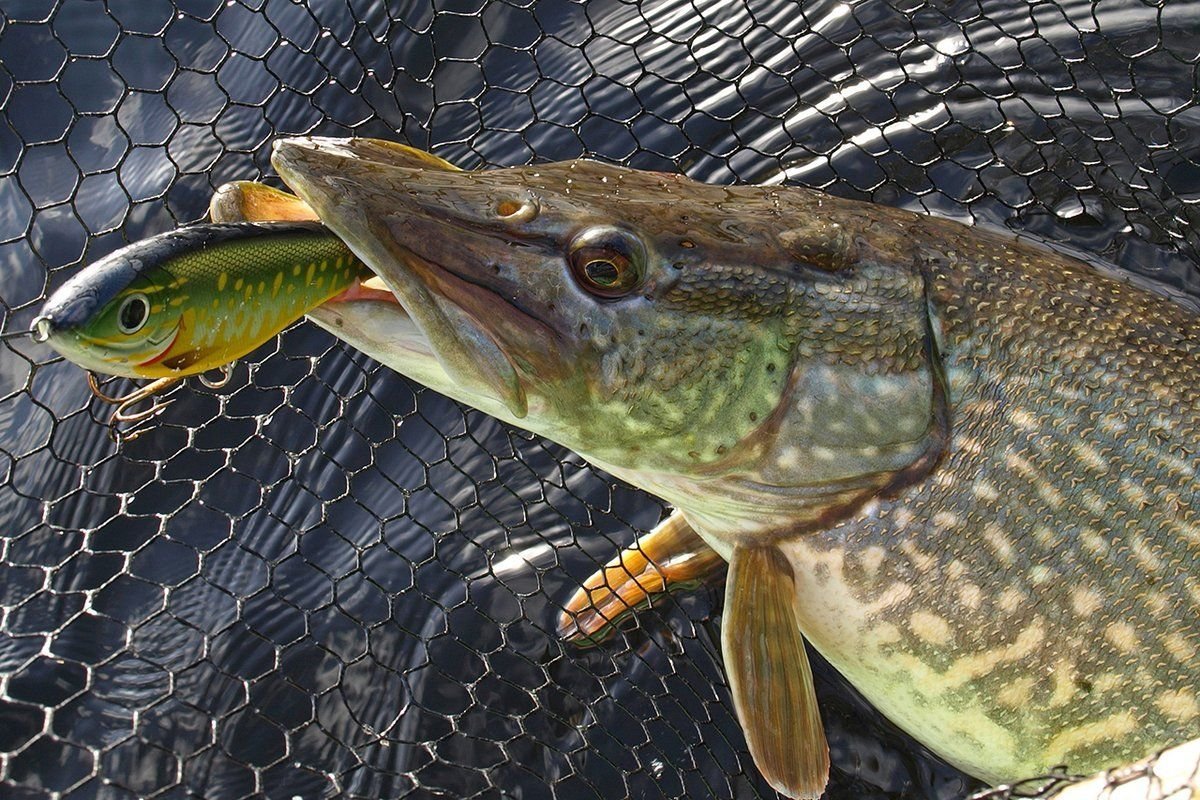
(310, 156)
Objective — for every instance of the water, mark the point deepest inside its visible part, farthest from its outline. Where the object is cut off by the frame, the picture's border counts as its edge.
(320, 581)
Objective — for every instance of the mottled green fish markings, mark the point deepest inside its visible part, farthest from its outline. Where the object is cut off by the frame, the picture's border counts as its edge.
(963, 467)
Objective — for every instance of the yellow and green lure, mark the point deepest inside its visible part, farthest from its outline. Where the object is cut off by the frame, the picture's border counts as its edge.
(193, 300)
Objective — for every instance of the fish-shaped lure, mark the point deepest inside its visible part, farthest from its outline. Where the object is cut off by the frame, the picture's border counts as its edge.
(193, 300)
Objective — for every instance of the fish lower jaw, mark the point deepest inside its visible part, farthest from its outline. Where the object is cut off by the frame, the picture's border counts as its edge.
(382, 329)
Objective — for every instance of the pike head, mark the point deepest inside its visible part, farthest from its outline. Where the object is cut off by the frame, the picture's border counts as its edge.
(672, 332)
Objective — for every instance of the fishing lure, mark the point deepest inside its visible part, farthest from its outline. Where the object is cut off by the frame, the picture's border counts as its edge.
(191, 301)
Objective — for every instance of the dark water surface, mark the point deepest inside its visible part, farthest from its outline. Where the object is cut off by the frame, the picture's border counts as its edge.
(321, 581)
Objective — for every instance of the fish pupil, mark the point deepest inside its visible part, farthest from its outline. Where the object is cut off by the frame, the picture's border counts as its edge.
(133, 313)
(606, 261)
(602, 273)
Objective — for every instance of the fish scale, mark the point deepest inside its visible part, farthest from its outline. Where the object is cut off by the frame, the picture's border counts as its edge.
(1009, 552)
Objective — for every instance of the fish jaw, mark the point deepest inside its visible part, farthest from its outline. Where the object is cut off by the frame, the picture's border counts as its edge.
(456, 311)
(382, 328)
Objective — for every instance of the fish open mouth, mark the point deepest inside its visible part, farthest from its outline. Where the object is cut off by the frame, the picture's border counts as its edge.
(370, 312)
(393, 214)
(373, 289)
(474, 300)
(372, 318)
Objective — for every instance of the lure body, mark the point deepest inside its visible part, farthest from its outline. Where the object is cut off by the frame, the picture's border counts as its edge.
(196, 299)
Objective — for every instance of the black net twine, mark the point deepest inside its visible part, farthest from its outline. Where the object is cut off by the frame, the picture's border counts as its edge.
(323, 581)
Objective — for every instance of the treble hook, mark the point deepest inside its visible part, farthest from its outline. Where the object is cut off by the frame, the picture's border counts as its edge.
(124, 415)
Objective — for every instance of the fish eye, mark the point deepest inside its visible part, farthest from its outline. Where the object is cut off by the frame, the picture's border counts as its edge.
(133, 313)
(607, 262)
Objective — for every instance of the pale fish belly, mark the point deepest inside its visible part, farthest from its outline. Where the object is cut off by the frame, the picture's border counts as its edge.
(998, 707)
(939, 704)
(1034, 603)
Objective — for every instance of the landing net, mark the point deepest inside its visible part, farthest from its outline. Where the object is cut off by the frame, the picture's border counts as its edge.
(322, 581)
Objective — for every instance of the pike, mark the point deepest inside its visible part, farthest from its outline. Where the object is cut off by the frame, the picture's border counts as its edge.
(962, 467)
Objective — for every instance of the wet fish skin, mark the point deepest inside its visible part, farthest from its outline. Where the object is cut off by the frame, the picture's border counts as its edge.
(1042, 579)
(967, 465)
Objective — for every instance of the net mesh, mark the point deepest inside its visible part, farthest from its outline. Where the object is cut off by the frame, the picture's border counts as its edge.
(1172, 774)
(323, 581)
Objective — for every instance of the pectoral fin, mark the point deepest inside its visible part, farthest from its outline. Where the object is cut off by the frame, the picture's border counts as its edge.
(769, 674)
(247, 201)
(668, 557)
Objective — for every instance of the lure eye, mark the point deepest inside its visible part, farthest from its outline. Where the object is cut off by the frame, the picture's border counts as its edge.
(607, 262)
(134, 312)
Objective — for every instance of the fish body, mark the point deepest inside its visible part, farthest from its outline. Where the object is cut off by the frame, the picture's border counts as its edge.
(188, 301)
(1032, 596)
(964, 467)
(1033, 599)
